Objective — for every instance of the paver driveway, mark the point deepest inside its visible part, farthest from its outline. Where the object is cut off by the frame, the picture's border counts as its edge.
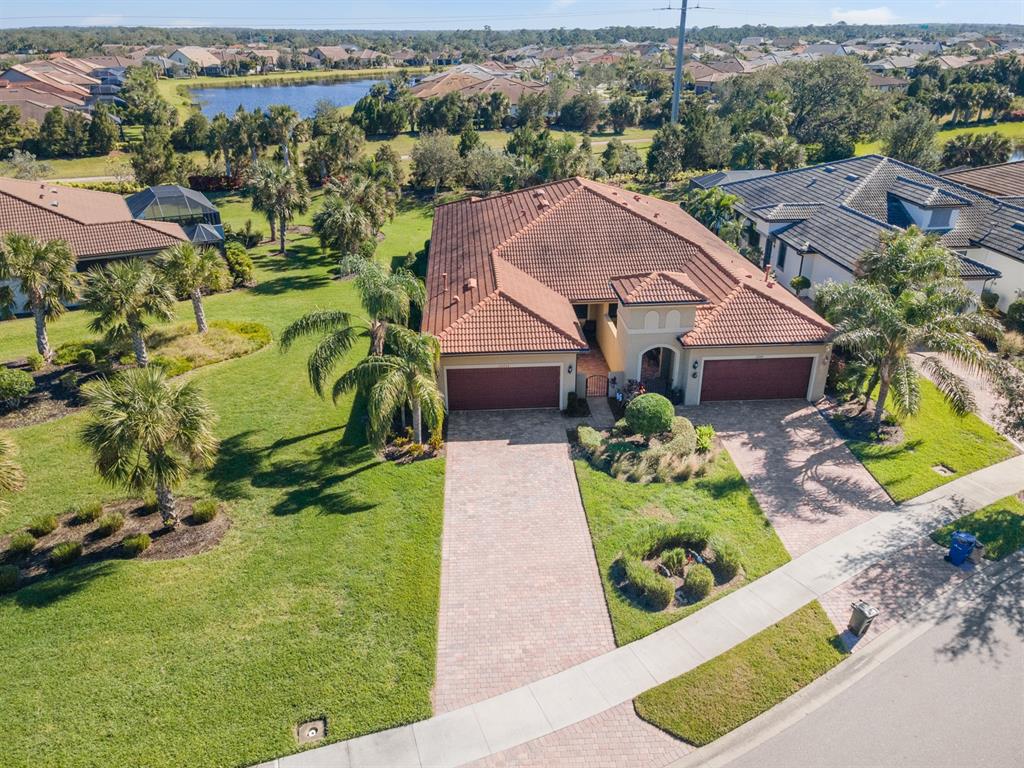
(521, 597)
(801, 473)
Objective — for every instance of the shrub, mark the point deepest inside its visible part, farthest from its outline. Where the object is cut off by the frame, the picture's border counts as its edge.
(89, 512)
(21, 544)
(650, 414)
(684, 436)
(699, 581)
(727, 559)
(86, 358)
(42, 525)
(172, 366)
(590, 440)
(135, 545)
(255, 332)
(1015, 314)
(705, 438)
(150, 503)
(35, 361)
(65, 553)
(110, 524)
(204, 511)
(689, 534)
(1011, 344)
(652, 588)
(8, 577)
(69, 382)
(436, 441)
(989, 299)
(621, 429)
(675, 560)
(800, 283)
(14, 385)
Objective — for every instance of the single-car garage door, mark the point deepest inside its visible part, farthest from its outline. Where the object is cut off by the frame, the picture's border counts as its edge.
(761, 379)
(474, 389)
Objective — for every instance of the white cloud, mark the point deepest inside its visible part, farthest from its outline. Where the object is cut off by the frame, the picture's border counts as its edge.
(880, 15)
(112, 20)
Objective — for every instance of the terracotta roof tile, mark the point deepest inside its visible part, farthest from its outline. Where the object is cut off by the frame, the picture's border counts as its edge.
(525, 257)
(94, 224)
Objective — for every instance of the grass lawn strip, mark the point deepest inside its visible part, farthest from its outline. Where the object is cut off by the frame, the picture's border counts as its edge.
(617, 511)
(935, 436)
(999, 526)
(321, 600)
(720, 695)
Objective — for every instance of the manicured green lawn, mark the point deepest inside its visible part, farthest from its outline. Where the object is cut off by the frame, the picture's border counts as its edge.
(321, 600)
(935, 436)
(617, 510)
(999, 526)
(722, 694)
(1014, 131)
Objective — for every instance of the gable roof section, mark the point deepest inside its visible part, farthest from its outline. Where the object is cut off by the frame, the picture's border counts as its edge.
(657, 288)
(94, 224)
(1003, 180)
(504, 271)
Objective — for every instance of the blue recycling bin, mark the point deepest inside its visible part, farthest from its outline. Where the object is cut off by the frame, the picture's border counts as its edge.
(961, 546)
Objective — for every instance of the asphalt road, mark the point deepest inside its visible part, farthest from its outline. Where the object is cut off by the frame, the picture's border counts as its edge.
(953, 697)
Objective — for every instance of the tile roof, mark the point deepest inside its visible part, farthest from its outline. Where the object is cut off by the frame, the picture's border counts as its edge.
(657, 288)
(1003, 180)
(862, 197)
(504, 271)
(94, 224)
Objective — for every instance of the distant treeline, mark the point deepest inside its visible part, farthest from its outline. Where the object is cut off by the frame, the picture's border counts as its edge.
(84, 40)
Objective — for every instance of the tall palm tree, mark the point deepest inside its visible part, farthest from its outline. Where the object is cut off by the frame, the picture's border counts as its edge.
(369, 195)
(711, 207)
(387, 298)
(190, 271)
(259, 180)
(282, 193)
(220, 143)
(921, 308)
(282, 121)
(11, 477)
(124, 295)
(45, 273)
(146, 433)
(342, 225)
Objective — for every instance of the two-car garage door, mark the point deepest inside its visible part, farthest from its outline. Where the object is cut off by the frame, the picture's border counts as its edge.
(756, 379)
(474, 389)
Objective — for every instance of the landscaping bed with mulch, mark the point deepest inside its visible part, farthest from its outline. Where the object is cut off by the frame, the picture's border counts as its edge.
(52, 395)
(854, 422)
(189, 537)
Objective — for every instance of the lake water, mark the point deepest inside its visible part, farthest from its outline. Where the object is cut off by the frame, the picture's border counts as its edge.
(302, 97)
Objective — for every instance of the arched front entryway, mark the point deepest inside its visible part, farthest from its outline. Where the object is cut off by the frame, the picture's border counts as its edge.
(657, 369)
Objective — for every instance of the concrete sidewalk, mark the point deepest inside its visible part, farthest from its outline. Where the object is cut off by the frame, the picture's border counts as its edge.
(535, 710)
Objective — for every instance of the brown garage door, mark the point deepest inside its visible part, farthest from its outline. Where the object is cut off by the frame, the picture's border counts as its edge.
(764, 379)
(474, 389)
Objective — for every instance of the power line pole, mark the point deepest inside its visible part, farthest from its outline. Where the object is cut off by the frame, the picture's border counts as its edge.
(680, 47)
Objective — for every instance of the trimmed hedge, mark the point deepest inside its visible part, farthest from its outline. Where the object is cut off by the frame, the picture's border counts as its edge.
(698, 584)
(688, 534)
(684, 436)
(650, 414)
(653, 588)
(590, 440)
(727, 559)
(65, 553)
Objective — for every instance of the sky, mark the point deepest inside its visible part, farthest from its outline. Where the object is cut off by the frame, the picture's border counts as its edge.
(499, 14)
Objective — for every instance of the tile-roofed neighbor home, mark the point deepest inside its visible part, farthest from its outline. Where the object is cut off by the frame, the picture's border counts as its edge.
(819, 220)
(1004, 180)
(518, 284)
(98, 226)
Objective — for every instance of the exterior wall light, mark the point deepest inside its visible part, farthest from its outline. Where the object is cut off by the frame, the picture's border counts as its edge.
(570, 369)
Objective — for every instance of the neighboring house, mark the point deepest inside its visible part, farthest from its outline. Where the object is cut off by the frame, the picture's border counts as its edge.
(470, 80)
(198, 217)
(727, 177)
(579, 287)
(817, 221)
(98, 226)
(1005, 180)
(888, 83)
(202, 58)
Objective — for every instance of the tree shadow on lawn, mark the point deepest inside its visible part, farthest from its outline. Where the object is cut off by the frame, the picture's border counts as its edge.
(43, 592)
(300, 256)
(288, 283)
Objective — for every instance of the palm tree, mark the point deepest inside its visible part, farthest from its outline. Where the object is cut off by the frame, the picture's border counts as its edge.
(145, 433)
(371, 196)
(282, 192)
(782, 153)
(220, 141)
(387, 298)
(123, 295)
(11, 477)
(341, 224)
(711, 207)
(45, 273)
(909, 297)
(282, 121)
(259, 180)
(190, 271)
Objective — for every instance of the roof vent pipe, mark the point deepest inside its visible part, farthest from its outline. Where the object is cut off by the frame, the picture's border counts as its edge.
(470, 284)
